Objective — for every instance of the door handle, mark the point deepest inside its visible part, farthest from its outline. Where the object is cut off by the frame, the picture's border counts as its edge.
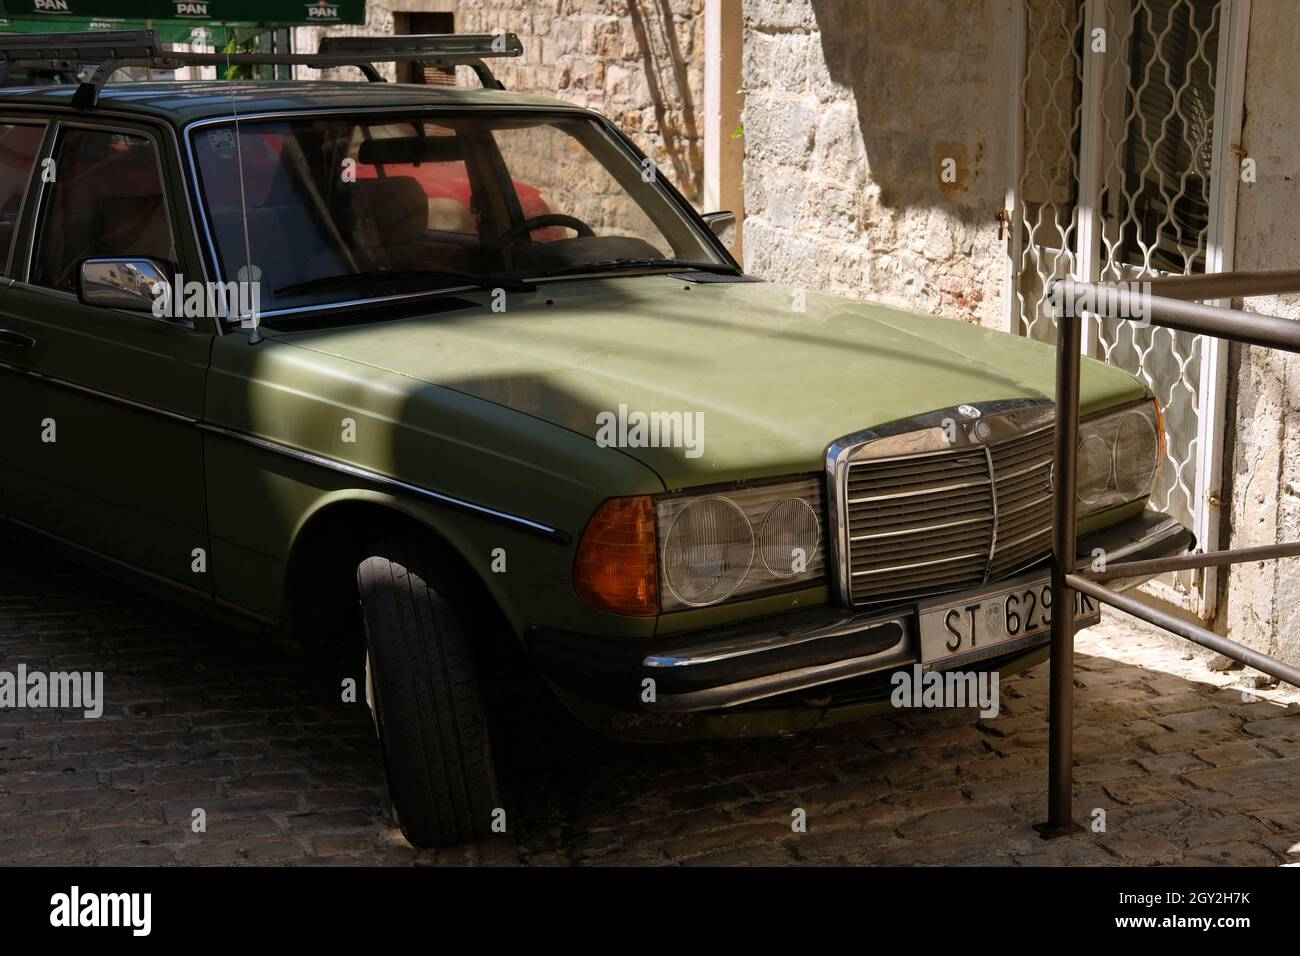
(16, 340)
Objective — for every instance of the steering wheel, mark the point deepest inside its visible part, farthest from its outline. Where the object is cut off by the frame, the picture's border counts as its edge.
(532, 223)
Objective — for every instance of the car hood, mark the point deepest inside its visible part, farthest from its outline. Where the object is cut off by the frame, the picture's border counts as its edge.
(773, 375)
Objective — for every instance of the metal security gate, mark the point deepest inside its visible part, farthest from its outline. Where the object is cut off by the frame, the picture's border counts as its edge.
(1126, 115)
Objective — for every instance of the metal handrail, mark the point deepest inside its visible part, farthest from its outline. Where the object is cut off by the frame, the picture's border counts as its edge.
(1227, 285)
(1161, 302)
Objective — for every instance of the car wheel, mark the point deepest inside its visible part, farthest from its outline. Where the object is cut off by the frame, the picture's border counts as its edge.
(425, 698)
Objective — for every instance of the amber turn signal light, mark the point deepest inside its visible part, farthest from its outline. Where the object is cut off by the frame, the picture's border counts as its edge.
(616, 569)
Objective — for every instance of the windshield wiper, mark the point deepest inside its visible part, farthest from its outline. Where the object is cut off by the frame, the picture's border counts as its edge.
(448, 280)
(624, 265)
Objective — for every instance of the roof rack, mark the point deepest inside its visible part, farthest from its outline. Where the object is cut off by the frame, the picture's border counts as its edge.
(115, 49)
(435, 49)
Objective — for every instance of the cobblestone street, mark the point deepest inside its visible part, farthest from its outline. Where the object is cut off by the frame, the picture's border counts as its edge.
(200, 716)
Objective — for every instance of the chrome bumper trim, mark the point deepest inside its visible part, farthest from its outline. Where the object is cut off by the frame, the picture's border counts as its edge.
(745, 644)
(757, 688)
(1150, 534)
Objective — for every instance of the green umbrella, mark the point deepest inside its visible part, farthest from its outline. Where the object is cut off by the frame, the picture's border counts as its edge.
(167, 31)
(50, 13)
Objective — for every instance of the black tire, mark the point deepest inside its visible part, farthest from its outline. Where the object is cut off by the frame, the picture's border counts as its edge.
(427, 704)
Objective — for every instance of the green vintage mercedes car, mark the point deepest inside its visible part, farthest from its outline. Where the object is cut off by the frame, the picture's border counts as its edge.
(495, 367)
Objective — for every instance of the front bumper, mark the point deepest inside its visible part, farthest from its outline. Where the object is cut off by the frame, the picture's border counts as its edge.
(795, 659)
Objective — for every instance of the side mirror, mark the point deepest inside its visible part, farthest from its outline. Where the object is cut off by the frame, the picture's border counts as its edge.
(721, 224)
(135, 284)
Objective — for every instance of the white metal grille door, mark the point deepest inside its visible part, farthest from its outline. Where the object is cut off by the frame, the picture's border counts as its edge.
(1045, 220)
(1119, 108)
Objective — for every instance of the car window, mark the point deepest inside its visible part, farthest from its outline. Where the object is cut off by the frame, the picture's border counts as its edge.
(18, 147)
(331, 209)
(444, 181)
(551, 173)
(266, 196)
(106, 199)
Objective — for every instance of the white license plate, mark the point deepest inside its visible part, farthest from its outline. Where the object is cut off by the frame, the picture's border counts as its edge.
(979, 625)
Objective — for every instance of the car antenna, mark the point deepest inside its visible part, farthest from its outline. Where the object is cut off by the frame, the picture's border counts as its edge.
(255, 336)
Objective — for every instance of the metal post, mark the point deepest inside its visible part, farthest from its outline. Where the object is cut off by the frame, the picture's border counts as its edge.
(1116, 301)
(1061, 707)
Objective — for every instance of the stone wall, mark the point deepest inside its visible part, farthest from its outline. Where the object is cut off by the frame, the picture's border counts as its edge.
(853, 110)
(639, 62)
(1262, 600)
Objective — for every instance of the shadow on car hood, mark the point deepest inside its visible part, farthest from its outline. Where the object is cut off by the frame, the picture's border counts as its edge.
(770, 386)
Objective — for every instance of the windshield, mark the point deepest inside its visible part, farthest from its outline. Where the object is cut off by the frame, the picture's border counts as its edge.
(350, 208)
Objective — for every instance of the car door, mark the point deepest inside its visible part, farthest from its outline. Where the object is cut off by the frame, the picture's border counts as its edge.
(98, 444)
(20, 147)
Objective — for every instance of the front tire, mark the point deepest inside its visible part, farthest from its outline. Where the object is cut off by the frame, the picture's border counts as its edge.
(425, 697)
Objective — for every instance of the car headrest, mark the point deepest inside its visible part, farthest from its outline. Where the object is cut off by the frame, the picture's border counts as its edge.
(396, 208)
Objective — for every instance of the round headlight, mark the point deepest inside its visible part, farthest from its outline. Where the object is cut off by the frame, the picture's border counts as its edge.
(1136, 448)
(790, 537)
(707, 551)
(1095, 467)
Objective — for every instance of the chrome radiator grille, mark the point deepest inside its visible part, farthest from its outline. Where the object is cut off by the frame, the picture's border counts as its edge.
(1022, 481)
(947, 520)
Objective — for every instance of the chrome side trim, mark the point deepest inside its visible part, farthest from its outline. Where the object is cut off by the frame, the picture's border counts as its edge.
(376, 478)
(371, 477)
(96, 393)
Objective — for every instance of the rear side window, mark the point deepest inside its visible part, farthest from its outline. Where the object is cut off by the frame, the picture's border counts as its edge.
(106, 200)
(18, 148)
